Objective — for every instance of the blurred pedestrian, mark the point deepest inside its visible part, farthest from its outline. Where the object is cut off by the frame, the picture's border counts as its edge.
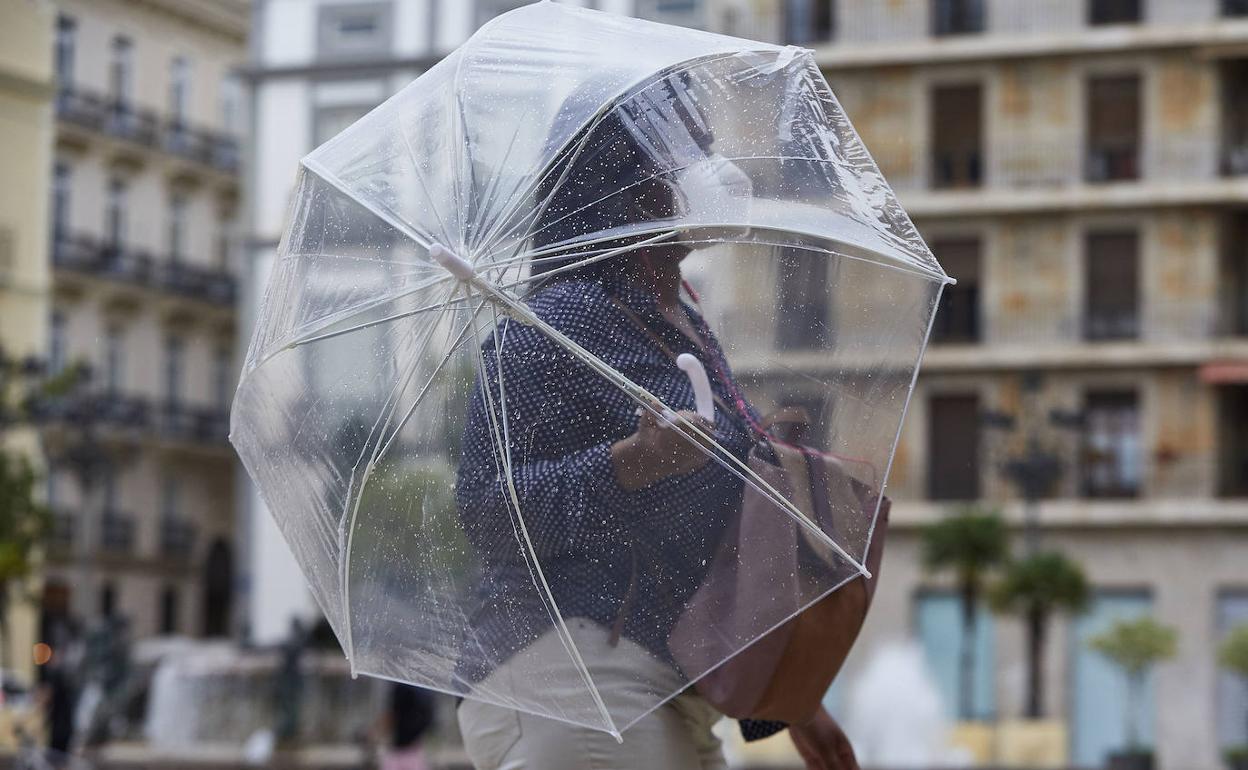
(408, 717)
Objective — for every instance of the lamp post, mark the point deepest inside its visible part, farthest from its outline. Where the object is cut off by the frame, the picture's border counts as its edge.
(1037, 468)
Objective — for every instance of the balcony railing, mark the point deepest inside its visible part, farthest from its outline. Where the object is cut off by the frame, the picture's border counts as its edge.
(1018, 162)
(127, 412)
(177, 537)
(185, 423)
(141, 126)
(207, 147)
(862, 22)
(216, 286)
(84, 254)
(133, 124)
(1109, 163)
(117, 532)
(1151, 323)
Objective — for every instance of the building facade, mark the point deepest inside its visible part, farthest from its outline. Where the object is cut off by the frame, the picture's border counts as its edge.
(143, 201)
(26, 90)
(1079, 167)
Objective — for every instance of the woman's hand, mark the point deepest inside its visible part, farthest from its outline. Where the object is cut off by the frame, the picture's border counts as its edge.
(657, 450)
(822, 744)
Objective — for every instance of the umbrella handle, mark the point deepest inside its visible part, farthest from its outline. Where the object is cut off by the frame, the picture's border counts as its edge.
(703, 398)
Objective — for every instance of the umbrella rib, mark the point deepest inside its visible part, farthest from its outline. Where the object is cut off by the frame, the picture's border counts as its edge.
(447, 304)
(494, 184)
(377, 454)
(420, 180)
(503, 441)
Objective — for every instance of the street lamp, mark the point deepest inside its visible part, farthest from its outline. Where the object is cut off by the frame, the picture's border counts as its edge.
(1037, 468)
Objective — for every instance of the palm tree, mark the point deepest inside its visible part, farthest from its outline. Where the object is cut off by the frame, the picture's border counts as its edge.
(971, 542)
(1034, 589)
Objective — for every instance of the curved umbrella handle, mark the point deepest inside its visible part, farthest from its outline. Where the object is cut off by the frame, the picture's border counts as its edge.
(703, 398)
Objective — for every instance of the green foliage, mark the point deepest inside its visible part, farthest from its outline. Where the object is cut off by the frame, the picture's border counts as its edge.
(969, 542)
(23, 522)
(1042, 583)
(1233, 652)
(1137, 644)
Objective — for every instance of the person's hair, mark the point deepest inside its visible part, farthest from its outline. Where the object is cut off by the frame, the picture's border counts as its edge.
(602, 179)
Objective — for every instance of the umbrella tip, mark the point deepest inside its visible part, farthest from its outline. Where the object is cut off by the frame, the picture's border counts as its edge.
(454, 264)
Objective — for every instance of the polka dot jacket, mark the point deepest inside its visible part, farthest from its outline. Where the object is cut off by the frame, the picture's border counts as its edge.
(628, 560)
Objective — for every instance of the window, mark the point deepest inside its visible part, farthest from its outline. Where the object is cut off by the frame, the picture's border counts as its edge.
(179, 90)
(355, 30)
(60, 200)
(803, 288)
(1234, 8)
(170, 497)
(1112, 452)
(108, 600)
(941, 631)
(114, 360)
(957, 319)
(175, 351)
(169, 610)
(121, 71)
(115, 212)
(330, 120)
(225, 235)
(223, 375)
(1232, 705)
(66, 42)
(956, 131)
(1232, 440)
(953, 447)
(177, 227)
(231, 102)
(57, 342)
(1113, 110)
(809, 21)
(1111, 286)
(1235, 117)
(957, 17)
(1115, 11)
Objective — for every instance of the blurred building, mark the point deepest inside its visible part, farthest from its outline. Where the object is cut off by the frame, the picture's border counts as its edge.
(144, 189)
(1081, 168)
(26, 90)
(316, 66)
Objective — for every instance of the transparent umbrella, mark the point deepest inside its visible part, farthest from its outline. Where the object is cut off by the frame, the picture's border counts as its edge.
(462, 402)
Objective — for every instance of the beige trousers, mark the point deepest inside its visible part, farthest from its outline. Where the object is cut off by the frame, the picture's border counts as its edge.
(675, 736)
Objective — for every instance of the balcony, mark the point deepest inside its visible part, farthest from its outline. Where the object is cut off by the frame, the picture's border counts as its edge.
(117, 533)
(143, 127)
(177, 537)
(215, 286)
(220, 151)
(954, 170)
(179, 422)
(84, 254)
(81, 108)
(1110, 163)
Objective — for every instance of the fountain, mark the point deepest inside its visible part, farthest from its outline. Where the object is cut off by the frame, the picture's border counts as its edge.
(894, 714)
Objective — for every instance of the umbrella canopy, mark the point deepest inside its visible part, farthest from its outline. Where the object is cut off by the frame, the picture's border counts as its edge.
(454, 339)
